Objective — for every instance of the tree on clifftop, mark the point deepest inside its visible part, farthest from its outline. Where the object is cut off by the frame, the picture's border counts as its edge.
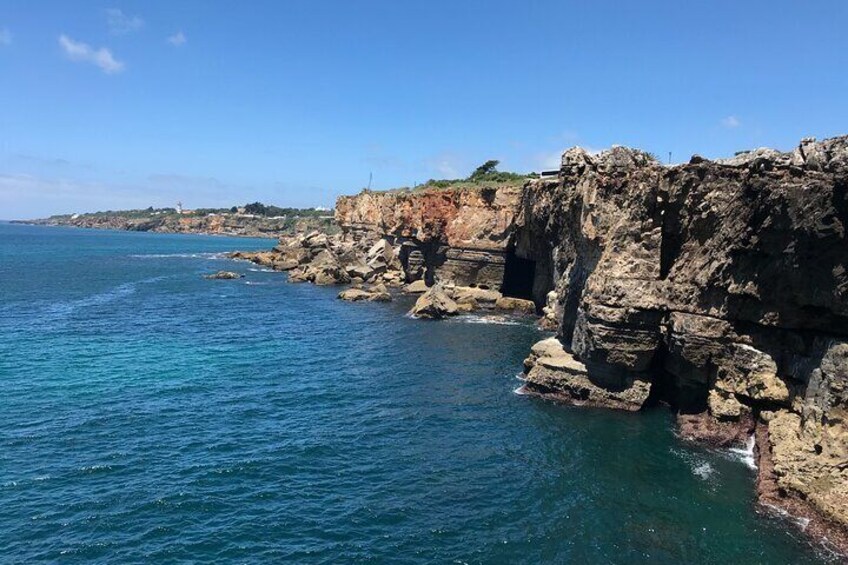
(485, 170)
(255, 209)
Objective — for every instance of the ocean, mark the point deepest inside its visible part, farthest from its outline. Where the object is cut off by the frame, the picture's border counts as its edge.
(149, 415)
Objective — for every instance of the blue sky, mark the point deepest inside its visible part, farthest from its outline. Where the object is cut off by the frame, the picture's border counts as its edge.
(108, 105)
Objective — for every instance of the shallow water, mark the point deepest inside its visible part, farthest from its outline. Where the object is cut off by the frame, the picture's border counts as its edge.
(150, 415)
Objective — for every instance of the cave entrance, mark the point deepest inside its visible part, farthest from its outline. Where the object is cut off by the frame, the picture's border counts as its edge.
(519, 275)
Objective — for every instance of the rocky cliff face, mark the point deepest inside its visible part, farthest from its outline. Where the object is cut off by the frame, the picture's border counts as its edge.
(459, 235)
(719, 287)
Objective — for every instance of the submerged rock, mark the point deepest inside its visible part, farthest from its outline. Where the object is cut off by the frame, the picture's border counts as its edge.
(223, 275)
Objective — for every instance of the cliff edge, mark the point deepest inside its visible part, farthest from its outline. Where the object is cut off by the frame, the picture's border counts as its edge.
(719, 287)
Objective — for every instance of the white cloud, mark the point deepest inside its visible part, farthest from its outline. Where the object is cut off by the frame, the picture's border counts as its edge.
(177, 39)
(82, 52)
(730, 122)
(5, 36)
(120, 23)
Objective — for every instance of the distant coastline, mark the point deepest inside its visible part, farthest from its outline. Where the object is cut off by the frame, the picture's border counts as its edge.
(252, 220)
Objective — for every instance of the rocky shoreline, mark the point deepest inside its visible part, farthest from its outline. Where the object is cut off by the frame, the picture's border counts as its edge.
(371, 270)
(719, 288)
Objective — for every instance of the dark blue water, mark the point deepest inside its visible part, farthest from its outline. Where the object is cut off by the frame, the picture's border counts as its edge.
(150, 415)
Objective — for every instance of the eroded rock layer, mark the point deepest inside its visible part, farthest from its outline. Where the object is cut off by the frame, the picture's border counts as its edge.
(456, 235)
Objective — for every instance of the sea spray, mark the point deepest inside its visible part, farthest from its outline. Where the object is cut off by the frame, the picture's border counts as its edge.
(746, 454)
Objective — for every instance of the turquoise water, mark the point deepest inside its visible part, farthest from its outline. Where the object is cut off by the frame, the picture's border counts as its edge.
(150, 415)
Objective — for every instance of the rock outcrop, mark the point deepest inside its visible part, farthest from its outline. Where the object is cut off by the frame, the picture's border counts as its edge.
(454, 235)
(515, 304)
(376, 293)
(720, 285)
(553, 372)
(435, 304)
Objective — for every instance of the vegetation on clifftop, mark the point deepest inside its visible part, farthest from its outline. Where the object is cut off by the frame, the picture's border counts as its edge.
(487, 173)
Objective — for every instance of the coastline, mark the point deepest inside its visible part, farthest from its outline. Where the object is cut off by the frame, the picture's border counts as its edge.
(717, 288)
(121, 230)
(208, 222)
(679, 285)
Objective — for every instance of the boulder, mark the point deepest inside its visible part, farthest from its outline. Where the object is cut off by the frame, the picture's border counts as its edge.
(364, 272)
(724, 405)
(286, 264)
(477, 296)
(467, 305)
(515, 304)
(434, 304)
(415, 287)
(354, 294)
(377, 293)
(551, 312)
(393, 278)
(329, 274)
(380, 255)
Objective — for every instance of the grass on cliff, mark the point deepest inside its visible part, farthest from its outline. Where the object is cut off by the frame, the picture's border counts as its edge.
(486, 175)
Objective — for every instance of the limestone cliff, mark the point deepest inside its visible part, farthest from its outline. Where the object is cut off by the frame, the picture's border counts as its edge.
(718, 287)
(455, 234)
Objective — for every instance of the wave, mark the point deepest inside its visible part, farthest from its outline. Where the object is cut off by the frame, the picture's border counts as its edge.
(120, 291)
(800, 521)
(217, 255)
(521, 391)
(699, 466)
(703, 470)
(746, 454)
(95, 468)
(489, 319)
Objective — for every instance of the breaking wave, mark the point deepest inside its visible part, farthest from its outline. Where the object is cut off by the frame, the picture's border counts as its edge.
(179, 256)
(489, 319)
(746, 454)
